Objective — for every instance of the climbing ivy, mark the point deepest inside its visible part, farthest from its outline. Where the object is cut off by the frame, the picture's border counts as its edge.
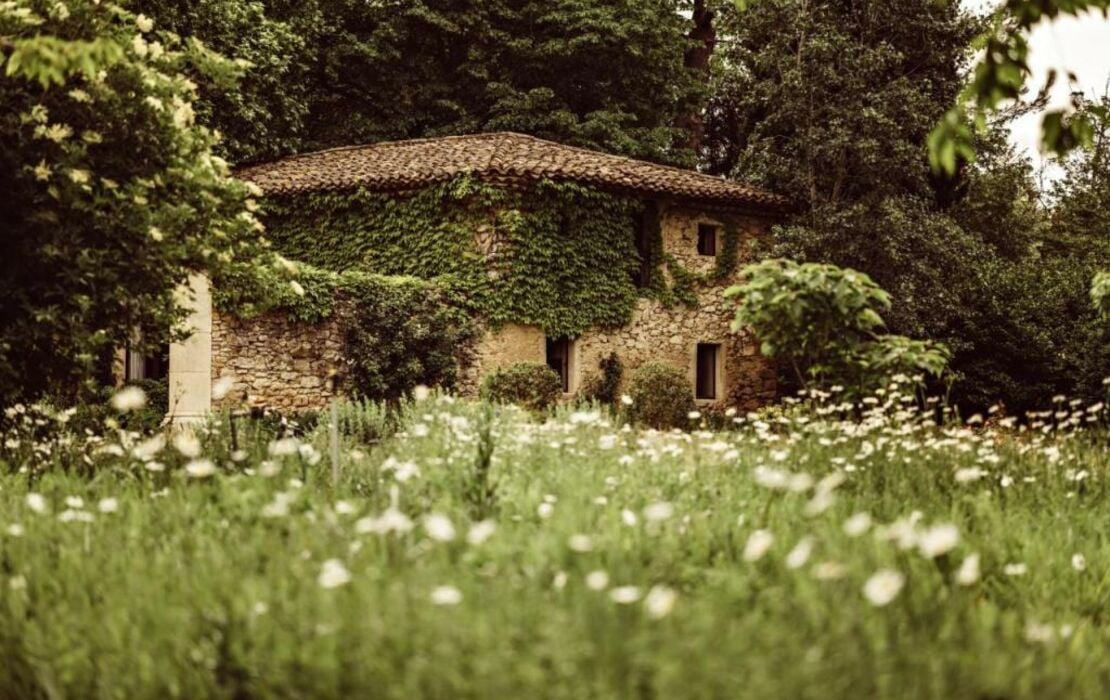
(559, 255)
(400, 331)
(683, 284)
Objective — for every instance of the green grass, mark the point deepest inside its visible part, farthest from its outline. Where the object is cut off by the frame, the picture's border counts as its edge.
(211, 586)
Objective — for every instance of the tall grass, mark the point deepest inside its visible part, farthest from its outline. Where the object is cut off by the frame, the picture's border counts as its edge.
(470, 551)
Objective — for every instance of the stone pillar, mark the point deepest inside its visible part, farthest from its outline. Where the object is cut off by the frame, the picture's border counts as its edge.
(190, 381)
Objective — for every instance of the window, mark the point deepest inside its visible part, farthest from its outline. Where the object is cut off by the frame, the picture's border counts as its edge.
(707, 370)
(140, 366)
(707, 239)
(558, 359)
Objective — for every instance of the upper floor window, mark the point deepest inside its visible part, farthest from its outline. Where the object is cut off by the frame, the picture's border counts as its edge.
(707, 239)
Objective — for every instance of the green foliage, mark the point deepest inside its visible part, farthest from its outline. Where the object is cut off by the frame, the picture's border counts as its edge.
(1001, 75)
(531, 385)
(559, 256)
(1100, 293)
(364, 422)
(336, 72)
(824, 321)
(213, 587)
(402, 333)
(263, 115)
(829, 102)
(109, 194)
(662, 397)
(832, 103)
(808, 310)
(604, 387)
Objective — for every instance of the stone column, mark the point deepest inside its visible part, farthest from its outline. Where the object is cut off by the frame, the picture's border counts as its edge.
(190, 381)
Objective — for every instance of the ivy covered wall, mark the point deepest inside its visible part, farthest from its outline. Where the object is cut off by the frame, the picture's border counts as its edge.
(418, 278)
(560, 256)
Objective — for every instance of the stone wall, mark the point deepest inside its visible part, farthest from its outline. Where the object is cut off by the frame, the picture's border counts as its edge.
(274, 362)
(658, 333)
(277, 363)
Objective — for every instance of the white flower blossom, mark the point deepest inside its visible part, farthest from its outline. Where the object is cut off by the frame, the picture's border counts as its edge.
(658, 512)
(129, 398)
(187, 444)
(439, 527)
(333, 574)
(800, 554)
(580, 543)
(659, 602)
(625, 595)
(938, 540)
(36, 502)
(480, 532)
(858, 524)
(883, 587)
(446, 595)
(758, 543)
(968, 573)
(200, 468)
(597, 580)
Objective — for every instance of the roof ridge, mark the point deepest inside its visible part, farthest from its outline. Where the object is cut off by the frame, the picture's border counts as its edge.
(410, 162)
(617, 156)
(376, 144)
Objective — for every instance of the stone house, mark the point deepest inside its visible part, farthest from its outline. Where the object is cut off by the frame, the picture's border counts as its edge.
(270, 361)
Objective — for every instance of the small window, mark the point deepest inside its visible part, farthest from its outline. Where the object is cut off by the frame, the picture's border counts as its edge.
(707, 370)
(558, 359)
(707, 239)
(139, 366)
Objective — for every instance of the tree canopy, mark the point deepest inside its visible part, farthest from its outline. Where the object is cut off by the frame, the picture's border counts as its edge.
(109, 192)
(607, 75)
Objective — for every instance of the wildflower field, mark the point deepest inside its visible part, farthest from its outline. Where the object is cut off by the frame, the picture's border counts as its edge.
(472, 551)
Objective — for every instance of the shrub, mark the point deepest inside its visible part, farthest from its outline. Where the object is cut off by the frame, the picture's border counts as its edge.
(603, 387)
(824, 321)
(403, 333)
(662, 396)
(531, 385)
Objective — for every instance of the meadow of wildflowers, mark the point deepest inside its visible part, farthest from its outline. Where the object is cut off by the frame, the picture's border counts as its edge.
(473, 551)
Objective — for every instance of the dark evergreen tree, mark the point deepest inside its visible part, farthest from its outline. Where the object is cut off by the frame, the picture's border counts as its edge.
(604, 74)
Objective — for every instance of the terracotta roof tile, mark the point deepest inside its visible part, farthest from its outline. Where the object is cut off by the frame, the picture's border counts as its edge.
(399, 165)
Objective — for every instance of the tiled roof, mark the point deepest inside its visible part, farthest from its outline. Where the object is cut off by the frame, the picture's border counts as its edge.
(401, 165)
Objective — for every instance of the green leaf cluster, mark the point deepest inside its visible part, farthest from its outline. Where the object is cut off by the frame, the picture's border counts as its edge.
(559, 255)
(1001, 75)
(530, 385)
(824, 321)
(110, 195)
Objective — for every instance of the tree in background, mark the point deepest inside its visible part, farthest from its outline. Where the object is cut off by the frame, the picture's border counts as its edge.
(605, 74)
(832, 103)
(109, 193)
(262, 115)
